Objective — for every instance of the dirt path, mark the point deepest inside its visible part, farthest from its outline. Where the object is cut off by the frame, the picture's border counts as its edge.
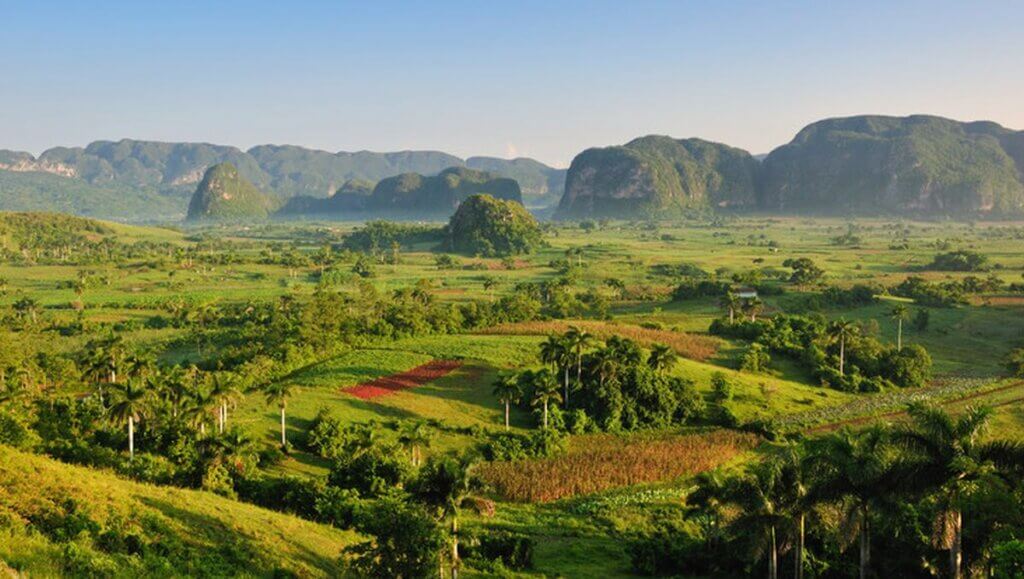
(832, 426)
(418, 376)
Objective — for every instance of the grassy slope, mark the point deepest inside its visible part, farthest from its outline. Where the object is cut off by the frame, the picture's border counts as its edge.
(252, 540)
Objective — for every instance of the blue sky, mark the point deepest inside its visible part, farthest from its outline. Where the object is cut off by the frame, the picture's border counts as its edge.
(532, 78)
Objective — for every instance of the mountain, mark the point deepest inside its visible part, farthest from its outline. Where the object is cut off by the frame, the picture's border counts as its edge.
(658, 176)
(420, 196)
(225, 195)
(113, 178)
(484, 225)
(541, 185)
(350, 198)
(917, 165)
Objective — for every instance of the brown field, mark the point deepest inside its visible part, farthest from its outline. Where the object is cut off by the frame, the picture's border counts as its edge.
(418, 376)
(604, 461)
(691, 346)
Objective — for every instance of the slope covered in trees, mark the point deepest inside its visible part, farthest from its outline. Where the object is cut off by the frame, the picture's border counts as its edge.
(225, 195)
(489, 226)
(425, 196)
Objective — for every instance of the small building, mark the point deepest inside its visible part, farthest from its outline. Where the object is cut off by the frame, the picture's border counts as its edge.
(745, 292)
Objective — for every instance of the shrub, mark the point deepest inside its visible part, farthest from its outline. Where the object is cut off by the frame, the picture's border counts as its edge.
(959, 260)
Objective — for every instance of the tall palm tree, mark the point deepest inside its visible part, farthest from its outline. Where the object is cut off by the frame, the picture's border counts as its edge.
(841, 331)
(545, 391)
(225, 391)
(856, 468)
(414, 436)
(278, 393)
(129, 405)
(759, 495)
(576, 340)
(707, 504)
(731, 303)
(449, 485)
(556, 352)
(508, 391)
(752, 307)
(899, 313)
(662, 358)
(946, 455)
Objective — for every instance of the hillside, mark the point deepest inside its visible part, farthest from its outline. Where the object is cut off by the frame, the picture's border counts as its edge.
(542, 186)
(418, 195)
(658, 176)
(35, 191)
(131, 529)
(897, 165)
(225, 195)
(349, 200)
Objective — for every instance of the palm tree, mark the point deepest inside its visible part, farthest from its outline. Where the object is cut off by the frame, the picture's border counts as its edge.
(899, 313)
(415, 435)
(946, 455)
(706, 505)
(555, 351)
(129, 405)
(730, 302)
(606, 364)
(856, 468)
(759, 495)
(841, 331)
(508, 391)
(279, 393)
(224, 391)
(662, 358)
(576, 340)
(752, 307)
(449, 485)
(545, 391)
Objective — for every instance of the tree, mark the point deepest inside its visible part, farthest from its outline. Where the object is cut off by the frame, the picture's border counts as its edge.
(448, 485)
(128, 405)
(555, 351)
(662, 358)
(407, 541)
(731, 303)
(545, 391)
(576, 340)
(508, 391)
(1015, 363)
(759, 495)
(751, 307)
(946, 455)
(805, 271)
(224, 391)
(756, 358)
(414, 436)
(899, 313)
(278, 393)
(489, 283)
(842, 331)
(857, 468)
(27, 307)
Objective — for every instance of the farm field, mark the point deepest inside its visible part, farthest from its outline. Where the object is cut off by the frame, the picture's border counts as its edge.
(404, 366)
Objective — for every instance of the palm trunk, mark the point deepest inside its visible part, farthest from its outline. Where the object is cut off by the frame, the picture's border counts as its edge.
(131, 438)
(455, 548)
(799, 572)
(899, 335)
(545, 414)
(284, 439)
(842, 355)
(956, 549)
(865, 544)
(773, 562)
(732, 316)
(506, 414)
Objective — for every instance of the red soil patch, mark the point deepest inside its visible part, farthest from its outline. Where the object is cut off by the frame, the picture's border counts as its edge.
(418, 376)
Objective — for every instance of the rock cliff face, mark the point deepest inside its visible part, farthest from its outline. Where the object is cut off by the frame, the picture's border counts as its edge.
(224, 195)
(658, 176)
(412, 194)
(918, 165)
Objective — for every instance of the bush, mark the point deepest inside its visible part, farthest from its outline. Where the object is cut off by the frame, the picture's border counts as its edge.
(756, 359)
(959, 260)
(515, 551)
(508, 446)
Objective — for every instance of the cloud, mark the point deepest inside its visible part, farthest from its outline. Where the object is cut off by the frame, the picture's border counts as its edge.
(511, 151)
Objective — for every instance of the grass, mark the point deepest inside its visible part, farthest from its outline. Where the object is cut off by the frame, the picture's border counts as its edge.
(201, 532)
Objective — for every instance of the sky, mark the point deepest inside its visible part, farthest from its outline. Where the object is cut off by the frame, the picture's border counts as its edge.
(544, 79)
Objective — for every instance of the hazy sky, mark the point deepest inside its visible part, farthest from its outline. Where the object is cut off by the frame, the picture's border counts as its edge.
(544, 79)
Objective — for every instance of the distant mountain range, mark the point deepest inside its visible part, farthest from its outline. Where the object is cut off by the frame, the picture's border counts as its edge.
(916, 166)
(866, 165)
(140, 180)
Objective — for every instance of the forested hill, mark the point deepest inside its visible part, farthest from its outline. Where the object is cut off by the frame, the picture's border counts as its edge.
(868, 165)
(140, 180)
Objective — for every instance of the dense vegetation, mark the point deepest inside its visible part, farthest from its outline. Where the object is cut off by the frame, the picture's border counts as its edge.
(224, 195)
(484, 225)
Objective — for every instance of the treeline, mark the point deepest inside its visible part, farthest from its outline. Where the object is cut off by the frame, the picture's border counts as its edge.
(933, 497)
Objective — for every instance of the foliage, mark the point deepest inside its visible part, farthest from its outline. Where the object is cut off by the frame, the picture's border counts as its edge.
(484, 225)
